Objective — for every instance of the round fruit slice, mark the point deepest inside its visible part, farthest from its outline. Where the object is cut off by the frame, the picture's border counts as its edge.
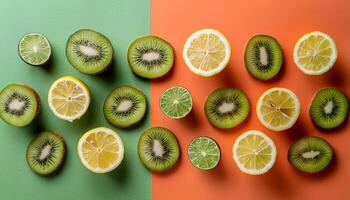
(278, 109)
(101, 150)
(19, 104)
(46, 153)
(254, 152)
(204, 153)
(263, 57)
(310, 154)
(125, 106)
(207, 52)
(150, 57)
(176, 102)
(227, 107)
(69, 98)
(329, 108)
(89, 52)
(158, 149)
(315, 53)
(34, 49)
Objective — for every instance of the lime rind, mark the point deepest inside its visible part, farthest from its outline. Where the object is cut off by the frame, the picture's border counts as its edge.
(34, 49)
(204, 153)
(176, 102)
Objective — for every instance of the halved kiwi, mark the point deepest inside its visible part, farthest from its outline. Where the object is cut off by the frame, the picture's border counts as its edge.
(158, 149)
(329, 108)
(227, 107)
(89, 52)
(310, 154)
(150, 57)
(19, 104)
(125, 106)
(263, 57)
(46, 153)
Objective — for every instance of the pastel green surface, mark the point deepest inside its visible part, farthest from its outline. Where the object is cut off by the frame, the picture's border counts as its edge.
(121, 21)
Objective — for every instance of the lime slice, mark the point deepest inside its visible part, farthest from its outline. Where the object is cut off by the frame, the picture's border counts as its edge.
(34, 49)
(204, 153)
(176, 102)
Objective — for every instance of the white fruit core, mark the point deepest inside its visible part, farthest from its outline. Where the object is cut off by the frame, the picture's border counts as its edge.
(89, 51)
(263, 56)
(45, 151)
(158, 148)
(329, 107)
(124, 106)
(310, 154)
(226, 107)
(150, 56)
(16, 104)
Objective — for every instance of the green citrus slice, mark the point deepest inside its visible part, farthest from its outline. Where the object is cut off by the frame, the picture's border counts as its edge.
(34, 49)
(176, 102)
(204, 153)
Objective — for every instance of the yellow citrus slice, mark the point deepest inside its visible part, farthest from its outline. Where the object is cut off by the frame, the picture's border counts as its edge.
(315, 53)
(254, 152)
(207, 52)
(69, 98)
(101, 150)
(278, 109)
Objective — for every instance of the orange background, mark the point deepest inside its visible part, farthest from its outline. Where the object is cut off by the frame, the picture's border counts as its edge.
(239, 20)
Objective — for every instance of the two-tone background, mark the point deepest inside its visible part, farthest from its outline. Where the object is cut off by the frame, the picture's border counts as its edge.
(123, 21)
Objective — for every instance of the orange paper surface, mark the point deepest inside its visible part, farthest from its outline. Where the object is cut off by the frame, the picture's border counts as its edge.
(239, 20)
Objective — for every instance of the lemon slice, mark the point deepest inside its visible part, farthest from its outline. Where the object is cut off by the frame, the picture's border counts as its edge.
(101, 150)
(278, 109)
(315, 53)
(69, 98)
(207, 52)
(254, 152)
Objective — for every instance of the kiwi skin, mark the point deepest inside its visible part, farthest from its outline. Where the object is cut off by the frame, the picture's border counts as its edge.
(307, 143)
(35, 94)
(59, 164)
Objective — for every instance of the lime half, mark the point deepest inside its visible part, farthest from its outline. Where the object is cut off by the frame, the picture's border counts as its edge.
(204, 153)
(176, 102)
(34, 49)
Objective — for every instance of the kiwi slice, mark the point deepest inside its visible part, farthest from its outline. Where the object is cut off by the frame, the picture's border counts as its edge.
(125, 106)
(227, 107)
(150, 57)
(329, 108)
(310, 154)
(19, 104)
(89, 52)
(158, 149)
(263, 57)
(46, 153)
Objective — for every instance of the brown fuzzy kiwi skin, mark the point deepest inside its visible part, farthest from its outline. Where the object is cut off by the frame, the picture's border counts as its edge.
(63, 158)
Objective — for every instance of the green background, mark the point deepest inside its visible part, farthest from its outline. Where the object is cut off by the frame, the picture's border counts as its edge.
(121, 21)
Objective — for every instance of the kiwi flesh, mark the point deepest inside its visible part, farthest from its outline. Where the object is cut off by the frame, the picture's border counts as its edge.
(329, 108)
(46, 153)
(125, 106)
(19, 104)
(310, 154)
(158, 149)
(150, 57)
(89, 52)
(263, 57)
(227, 107)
